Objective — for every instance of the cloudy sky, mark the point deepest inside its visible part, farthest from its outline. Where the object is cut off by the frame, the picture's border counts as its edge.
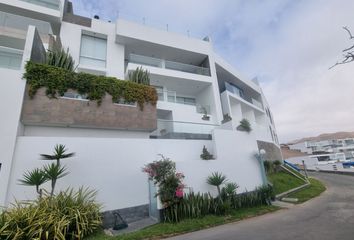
(289, 45)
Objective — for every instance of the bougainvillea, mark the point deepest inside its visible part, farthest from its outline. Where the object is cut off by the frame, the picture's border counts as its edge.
(163, 174)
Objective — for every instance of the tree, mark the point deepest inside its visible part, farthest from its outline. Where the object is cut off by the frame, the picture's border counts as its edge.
(348, 53)
(217, 179)
(35, 178)
(58, 154)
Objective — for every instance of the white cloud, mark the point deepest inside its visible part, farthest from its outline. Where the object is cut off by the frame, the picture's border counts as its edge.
(288, 44)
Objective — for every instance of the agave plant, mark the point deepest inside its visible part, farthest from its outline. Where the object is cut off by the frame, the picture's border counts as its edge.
(58, 154)
(60, 58)
(140, 76)
(53, 172)
(216, 179)
(35, 178)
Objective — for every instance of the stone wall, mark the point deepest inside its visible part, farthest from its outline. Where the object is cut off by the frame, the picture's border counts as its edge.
(272, 151)
(129, 215)
(44, 111)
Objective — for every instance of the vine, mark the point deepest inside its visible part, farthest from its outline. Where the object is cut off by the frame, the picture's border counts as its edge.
(57, 81)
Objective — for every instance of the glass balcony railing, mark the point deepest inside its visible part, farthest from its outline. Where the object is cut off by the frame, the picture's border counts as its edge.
(10, 58)
(160, 63)
(182, 130)
(171, 96)
(53, 4)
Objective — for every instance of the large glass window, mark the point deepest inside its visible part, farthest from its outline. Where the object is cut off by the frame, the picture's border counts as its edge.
(93, 51)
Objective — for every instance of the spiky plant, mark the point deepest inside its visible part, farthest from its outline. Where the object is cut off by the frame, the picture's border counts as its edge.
(140, 76)
(58, 154)
(36, 177)
(206, 155)
(53, 172)
(217, 179)
(60, 58)
(230, 188)
(245, 125)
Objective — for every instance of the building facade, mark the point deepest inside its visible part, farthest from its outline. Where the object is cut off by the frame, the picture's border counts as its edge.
(201, 101)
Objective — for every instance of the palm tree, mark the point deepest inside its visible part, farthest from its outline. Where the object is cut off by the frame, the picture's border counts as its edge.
(53, 172)
(216, 179)
(59, 153)
(35, 178)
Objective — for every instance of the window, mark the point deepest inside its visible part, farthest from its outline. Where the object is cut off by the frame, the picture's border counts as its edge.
(185, 100)
(75, 96)
(93, 51)
(234, 89)
(122, 101)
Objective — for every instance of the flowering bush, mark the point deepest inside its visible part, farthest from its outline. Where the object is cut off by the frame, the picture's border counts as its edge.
(163, 173)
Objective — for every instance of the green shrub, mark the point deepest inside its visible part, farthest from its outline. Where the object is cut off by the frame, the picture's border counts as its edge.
(60, 58)
(206, 155)
(245, 125)
(57, 81)
(169, 182)
(268, 166)
(196, 205)
(140, 76)
(68, 215)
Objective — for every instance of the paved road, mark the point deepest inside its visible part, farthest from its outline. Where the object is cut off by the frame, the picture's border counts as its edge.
(327, 217)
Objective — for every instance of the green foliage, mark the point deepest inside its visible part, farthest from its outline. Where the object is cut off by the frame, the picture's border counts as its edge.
(284, 181)
(199, 205)
(60, 58)
(245, 125)
(57, 81)
(216, 179)
(69, 215)
(229, 189)
(35, 178)
(206, 154)
(164, 175)
(53, 172)
(59, 153)
(140, 76)
(315, 189)
(268, 166)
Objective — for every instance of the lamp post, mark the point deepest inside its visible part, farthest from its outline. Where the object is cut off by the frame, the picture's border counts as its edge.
(262, 152)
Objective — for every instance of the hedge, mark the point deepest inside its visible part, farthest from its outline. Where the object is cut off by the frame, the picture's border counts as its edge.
(57, 81)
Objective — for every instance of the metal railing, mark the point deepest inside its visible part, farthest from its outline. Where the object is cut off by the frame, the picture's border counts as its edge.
(53, 4)
(161, 63)
(10, 58)
(176, 129)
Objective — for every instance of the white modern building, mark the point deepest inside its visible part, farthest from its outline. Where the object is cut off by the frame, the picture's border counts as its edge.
(197, 91)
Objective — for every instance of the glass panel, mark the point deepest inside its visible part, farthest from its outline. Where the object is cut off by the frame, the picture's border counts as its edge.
(186, 68)
(124, 102)
(93, 51)
(177, 129)
(10, 58)
(144, 60)
(75, 95)
(54, 4)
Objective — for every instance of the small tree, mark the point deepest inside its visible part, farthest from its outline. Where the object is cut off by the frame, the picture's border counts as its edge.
(348, 53)
(206, 154)
(217, 179)
(140, 76)
(35, 178)
(245, 125)
(51, 172)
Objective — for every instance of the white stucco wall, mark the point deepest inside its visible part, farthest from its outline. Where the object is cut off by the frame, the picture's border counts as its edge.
(113, 166)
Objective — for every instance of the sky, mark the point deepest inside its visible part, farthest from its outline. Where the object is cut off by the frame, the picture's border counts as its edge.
(288, 45)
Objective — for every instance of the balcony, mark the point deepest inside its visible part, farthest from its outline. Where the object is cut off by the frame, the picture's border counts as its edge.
(165, 64)
(239, 93)
(168, 129)
(10, 58)
(53, 4)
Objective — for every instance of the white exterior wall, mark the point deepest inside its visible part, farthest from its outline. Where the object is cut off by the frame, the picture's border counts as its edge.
(113, 166)
(70, 35)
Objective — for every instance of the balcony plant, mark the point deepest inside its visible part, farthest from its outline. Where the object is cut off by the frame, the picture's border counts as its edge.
(58, 57)
(227, 118)
(140, 76)
(245, 126)
(57, 81)
(205, 114)
(206, 155)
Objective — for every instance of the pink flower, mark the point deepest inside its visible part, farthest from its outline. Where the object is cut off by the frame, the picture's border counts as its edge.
(179, 193)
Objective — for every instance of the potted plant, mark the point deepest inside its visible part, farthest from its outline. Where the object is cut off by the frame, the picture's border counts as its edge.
(245, 126)
(205, 116)
(227, 118)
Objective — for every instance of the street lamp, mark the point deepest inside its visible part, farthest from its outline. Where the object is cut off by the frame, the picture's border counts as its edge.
(262, 153)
